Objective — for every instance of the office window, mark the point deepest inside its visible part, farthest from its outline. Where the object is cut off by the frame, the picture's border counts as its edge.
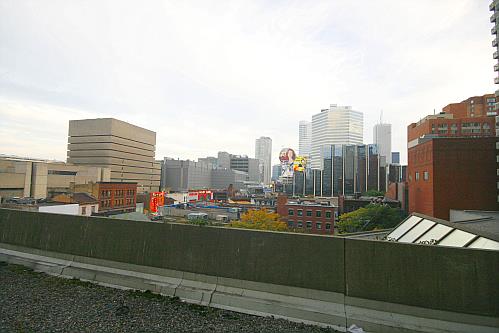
(291, 212)
(318, 226)
(309, 225)
(328, 226)
(328, 215)
(426, 175)
(309, 213)
(318, 213)
(300, 212)
(417, 176)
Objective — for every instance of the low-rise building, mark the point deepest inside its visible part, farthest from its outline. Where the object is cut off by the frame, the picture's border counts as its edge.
(113, 197)
(310, 216)
(40, 179)
(88, 204)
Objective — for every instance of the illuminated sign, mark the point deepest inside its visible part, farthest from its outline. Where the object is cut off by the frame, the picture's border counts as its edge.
(156, 199)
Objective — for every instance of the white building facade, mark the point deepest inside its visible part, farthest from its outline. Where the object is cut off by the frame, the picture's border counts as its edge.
(382, 136)
(263, 152)
(305, 138)
(334, 126)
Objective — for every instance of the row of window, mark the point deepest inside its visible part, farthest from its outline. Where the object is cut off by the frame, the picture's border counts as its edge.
(465, 128)
(318, 213)
(117, 193)
(117, 202)
(426, 175)
(308, 225)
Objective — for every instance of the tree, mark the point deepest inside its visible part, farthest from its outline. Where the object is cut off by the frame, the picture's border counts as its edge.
(371, 217)
(260, 219)
(373, 193)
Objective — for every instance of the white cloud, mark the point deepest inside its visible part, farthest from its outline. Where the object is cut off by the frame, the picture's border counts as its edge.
(215, 75)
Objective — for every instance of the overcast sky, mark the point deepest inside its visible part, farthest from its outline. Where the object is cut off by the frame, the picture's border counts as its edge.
(215, 75)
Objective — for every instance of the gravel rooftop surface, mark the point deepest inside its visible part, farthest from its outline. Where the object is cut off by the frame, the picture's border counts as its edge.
(36, 302)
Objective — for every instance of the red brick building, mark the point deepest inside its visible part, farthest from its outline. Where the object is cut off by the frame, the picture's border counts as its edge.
(476, 106)
(453, 173)
(113, 197)
(448, 125)
(308, 216)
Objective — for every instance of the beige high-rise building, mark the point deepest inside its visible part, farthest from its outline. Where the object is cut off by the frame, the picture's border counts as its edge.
(126, 149)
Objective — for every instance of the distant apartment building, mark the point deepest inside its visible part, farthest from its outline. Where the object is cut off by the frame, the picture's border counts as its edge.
(304, 138)
(473, 107)
(382, 137)
(309, 216)
(126, 149)
(113, 197)
(447, 125)
(263, 152)
(333, 126)
(40, 179)
(447, 173)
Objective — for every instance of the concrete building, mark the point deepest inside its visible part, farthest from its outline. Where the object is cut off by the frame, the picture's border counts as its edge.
(126, 149)
(305, 138)
(382, 137)
(39, 179)
(211, 161)
(223, 160)
(336, 125)
(179, 175)
(263, 152)
(248, 165)
(447, 173)
(494, 7)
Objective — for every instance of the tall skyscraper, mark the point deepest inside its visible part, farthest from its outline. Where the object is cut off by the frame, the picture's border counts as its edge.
(263, 152)
(305, 138)
(382, 136)
(126, 149)
(494, 7)
(335, 126)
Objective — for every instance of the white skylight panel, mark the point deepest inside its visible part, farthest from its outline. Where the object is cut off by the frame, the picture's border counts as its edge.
(434, 235)
(484, 243)
(457, 238)
(417, 231)
(402, 229)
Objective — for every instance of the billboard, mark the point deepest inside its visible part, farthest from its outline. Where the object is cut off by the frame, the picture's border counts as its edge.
(156, 199)
(200, 195)
(287, 157)
(300, 163)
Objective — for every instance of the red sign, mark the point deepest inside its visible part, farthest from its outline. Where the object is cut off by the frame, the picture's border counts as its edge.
(156, 199)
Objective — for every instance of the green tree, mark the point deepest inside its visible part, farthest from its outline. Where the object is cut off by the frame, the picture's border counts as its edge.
(371, 217)
(260, 219)
(373, 193)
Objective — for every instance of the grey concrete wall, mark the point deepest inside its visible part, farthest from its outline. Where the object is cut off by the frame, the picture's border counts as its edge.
(448, 279)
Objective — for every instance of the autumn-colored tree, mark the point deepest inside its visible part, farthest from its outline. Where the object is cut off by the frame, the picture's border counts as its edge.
(261, 220)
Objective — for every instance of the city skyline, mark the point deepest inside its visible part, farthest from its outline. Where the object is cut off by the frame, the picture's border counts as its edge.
(122, 66)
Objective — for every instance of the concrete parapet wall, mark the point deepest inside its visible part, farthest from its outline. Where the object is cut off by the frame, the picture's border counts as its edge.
(380, 286)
